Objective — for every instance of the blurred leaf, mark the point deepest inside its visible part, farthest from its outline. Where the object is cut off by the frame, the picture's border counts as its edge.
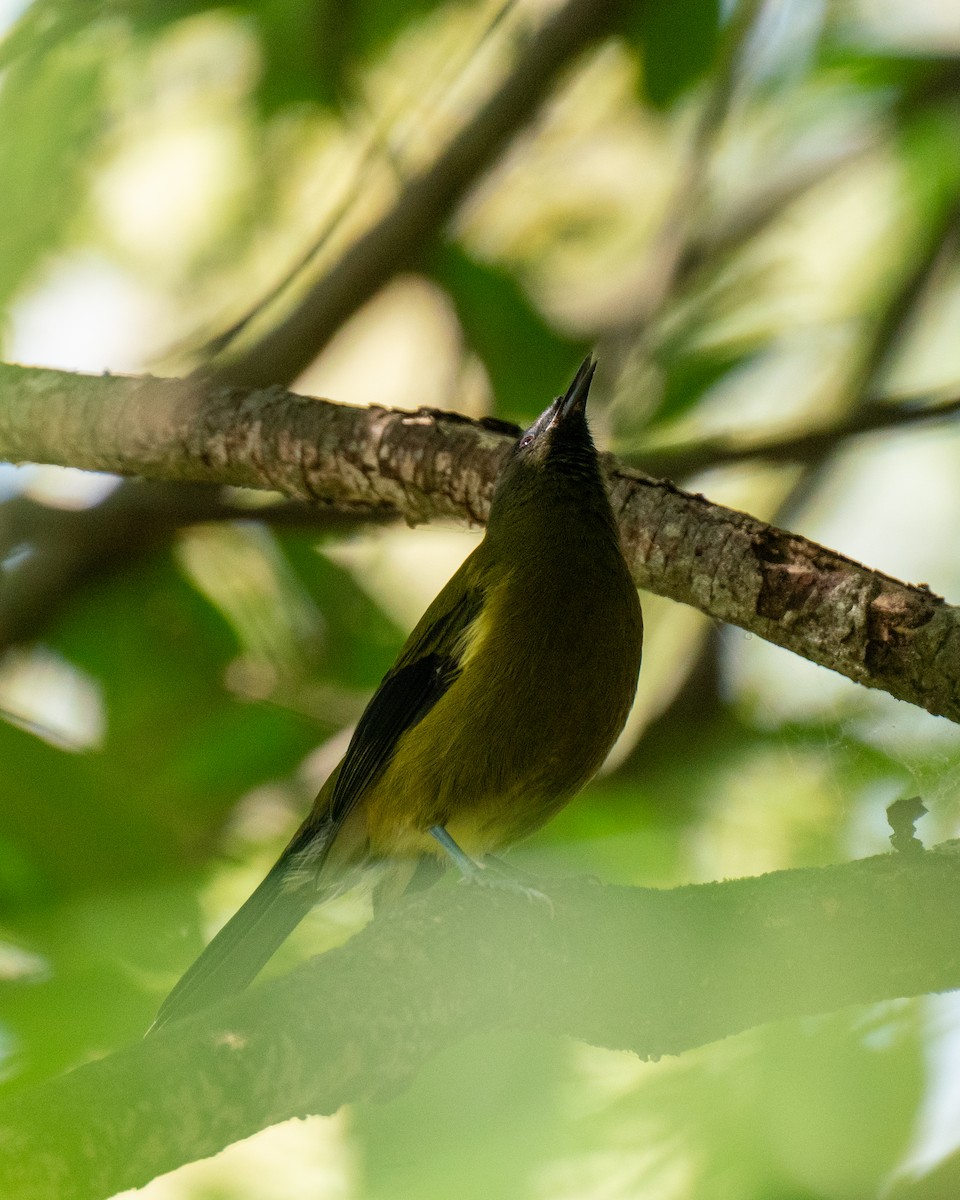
(49, 25)
(93, 846)
(148, 17)
(51, 113)
(839, 1098)
(239, 567)
(361, 641)
(637, 826)
(615, 830)
(377, 22)
(803, 1110)
(100, 950)
(909, 78)
(305, 47)
(688, 376)
(871, 71)
(526, 359)
(931, 159)
(677, 44)
(179, 749)
(311, 50)
(484, 1113)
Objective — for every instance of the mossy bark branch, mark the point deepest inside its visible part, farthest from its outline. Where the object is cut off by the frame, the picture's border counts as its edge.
(427, 465)
(655, 972)
(876, 630)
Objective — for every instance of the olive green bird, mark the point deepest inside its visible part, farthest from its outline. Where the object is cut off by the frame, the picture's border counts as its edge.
(503, 702)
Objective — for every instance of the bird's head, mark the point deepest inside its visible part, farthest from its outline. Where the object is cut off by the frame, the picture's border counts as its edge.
(559, 438)
(554, 462)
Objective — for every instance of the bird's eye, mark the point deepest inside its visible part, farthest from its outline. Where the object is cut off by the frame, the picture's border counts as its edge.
(526, 440)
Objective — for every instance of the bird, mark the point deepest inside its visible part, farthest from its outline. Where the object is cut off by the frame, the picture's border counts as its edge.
(502, 703)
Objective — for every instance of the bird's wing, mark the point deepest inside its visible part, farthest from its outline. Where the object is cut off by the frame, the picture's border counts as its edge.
(427, 666)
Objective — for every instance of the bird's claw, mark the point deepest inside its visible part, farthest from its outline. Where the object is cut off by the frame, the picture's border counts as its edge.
(486, 876)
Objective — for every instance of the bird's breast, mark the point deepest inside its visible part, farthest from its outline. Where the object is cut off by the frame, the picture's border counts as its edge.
(547, 677)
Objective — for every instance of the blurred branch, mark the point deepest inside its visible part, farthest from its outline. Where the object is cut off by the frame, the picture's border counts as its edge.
(713, 246)
(814, 448)
(932, 254)
(653, 971)
(65, 548)
(683, 265)
(377, 146)
(937, 252)
(808, 446)
(427, 465)
(672, 251)
(422, 209)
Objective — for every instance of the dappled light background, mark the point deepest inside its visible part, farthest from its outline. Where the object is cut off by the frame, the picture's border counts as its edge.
(751, 213)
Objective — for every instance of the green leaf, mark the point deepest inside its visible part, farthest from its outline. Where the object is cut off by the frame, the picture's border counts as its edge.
(304, 52)
(817, 1138)
(361, 641)
(312, 49)
(98, 953)
(677, 43)
(177, 752)
(930, 159)
(98, 849)
(51, 113)
(688, 377)
(527, 360)
(874, 70)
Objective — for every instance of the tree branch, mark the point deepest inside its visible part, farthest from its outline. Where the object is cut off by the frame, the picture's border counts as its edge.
(427, 465)
(655, 972)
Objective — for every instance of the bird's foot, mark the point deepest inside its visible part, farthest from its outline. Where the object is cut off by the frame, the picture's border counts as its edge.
(491, 873)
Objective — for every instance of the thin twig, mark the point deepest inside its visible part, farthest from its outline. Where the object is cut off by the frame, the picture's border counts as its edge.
(803, 447)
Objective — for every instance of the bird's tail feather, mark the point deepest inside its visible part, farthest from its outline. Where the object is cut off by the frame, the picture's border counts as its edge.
(242, 947)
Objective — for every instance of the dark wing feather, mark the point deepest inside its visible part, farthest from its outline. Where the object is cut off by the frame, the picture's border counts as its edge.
(425, 670)
(405, 696)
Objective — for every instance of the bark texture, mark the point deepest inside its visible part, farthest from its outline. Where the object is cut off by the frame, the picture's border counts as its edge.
(428, 465)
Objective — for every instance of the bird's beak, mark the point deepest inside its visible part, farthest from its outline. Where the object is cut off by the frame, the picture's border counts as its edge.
(575, 399)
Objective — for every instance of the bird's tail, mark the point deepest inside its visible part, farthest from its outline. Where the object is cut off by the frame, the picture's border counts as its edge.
(242, 947)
